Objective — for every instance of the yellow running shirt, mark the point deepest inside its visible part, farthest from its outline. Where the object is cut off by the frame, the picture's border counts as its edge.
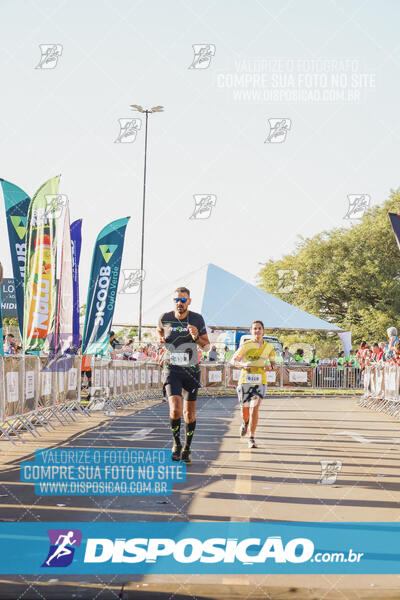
(250, 352)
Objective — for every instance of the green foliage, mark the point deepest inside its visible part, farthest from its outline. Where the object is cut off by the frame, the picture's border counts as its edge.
(127, 333)
(349, 276)
(10, 321)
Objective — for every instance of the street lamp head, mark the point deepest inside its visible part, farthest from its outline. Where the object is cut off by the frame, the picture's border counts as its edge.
(147, 110)
(137, 107)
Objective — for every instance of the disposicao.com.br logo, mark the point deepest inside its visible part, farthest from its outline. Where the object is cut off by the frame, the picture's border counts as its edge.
(62, 547)
(247, 551)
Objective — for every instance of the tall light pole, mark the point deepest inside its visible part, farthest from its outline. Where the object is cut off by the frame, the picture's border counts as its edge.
(146, 111)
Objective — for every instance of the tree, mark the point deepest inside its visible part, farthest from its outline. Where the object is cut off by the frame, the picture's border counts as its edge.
(349, 276)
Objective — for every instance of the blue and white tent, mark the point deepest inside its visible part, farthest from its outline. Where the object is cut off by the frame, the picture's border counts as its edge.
(228, 302)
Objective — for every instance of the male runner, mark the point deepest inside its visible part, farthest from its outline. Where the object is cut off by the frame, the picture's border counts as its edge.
(251, 358)
(181, 331)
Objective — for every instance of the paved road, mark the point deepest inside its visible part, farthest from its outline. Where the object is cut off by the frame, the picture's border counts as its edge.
(278, 481)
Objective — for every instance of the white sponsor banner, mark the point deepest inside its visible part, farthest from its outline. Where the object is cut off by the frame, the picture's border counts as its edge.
(97, 378)
(136, 376)
(148, 375)
(72, 379)
(29, 384)
(214, 376)
(391, 380)
(61, 381)
(124, 378)
(271, 376)
(46, 383)
(12, 387)
(111, 378)
(143, 376)
(155, 375)
(105, 378)
(298, 376)
(235, 374)
(130, 377)
(118, 378)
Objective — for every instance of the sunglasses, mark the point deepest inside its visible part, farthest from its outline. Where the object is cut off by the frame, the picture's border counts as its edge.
(183, 300)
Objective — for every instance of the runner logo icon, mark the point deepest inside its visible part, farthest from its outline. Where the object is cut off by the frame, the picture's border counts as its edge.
(50, 53)
(203, 205)
(128, 129)
(278, 129)
(203, 54)
(358, 205)
(61, 551)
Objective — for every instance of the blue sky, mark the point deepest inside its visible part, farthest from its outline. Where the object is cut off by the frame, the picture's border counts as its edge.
(210, 139)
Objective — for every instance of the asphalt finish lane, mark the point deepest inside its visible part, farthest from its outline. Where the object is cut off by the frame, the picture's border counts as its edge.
(278, 481)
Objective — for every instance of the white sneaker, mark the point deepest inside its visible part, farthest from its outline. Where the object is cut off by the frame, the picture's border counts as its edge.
(252, 443)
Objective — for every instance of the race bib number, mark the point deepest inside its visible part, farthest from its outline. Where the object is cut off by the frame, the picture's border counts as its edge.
(179, 358)
(253, 378)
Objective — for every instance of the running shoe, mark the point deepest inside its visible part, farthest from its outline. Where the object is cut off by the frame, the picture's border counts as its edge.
(243, 428)
(185, 456)
(252, 443)
(176, 452)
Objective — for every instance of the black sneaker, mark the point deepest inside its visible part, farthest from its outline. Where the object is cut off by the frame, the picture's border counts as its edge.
(185, 456)
(176, 452)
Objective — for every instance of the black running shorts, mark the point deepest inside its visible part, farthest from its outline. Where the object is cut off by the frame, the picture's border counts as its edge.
(187, 380)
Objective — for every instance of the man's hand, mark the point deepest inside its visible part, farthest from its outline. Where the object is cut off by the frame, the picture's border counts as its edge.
(194, 332)
(160, 336)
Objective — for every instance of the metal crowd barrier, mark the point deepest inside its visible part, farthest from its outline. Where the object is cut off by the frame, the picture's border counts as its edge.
(382, 388)
(35, 391)
(304, 376)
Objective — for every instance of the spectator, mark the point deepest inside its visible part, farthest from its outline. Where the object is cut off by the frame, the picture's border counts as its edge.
(113, 341)
(314, 358)
(86, 369)
(392, 339)
(375, 352)
(363, 355)
(228, 354)
(351, 360)
(9, 345)
(341, 361)
(287, 356)
(396, 353)
(140, 353)
(127, 350)
(212, 355)
(299, 356)
(381, 354)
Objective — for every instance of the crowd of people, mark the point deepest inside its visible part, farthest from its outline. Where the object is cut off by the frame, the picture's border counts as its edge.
(380, 352)
(368, 353)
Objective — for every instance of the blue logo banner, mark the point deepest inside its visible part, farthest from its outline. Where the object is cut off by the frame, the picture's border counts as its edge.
(226, 548)
(103, 286)
(17, 204)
